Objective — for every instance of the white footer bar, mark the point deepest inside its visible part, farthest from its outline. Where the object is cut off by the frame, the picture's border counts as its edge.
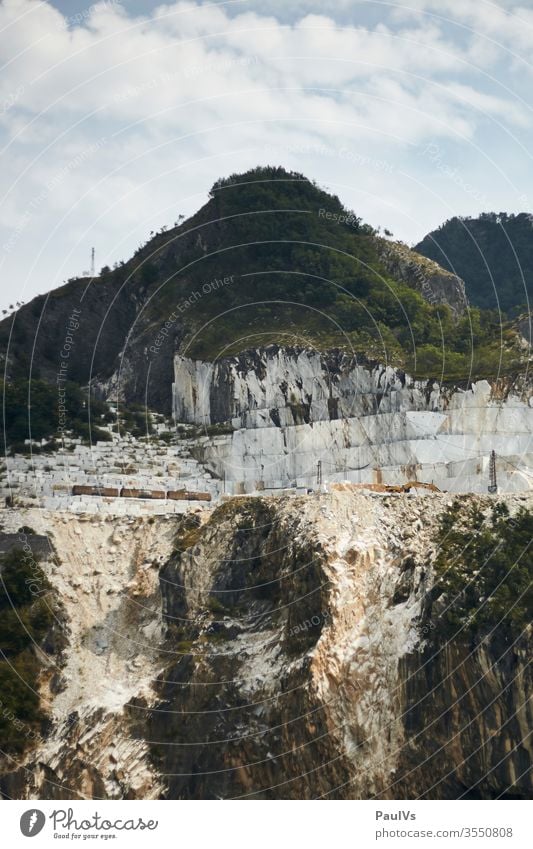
(263, 825)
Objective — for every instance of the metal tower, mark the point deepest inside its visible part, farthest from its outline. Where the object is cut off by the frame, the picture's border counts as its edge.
(92, 262)
(319, 473)
(493, 484)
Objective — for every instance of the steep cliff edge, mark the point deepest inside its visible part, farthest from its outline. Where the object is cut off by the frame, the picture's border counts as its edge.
(294, 648)
(106, 577)
(288, 409)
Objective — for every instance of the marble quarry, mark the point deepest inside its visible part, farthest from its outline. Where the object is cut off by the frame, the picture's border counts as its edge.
(294, 418)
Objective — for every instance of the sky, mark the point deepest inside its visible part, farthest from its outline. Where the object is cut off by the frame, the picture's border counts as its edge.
(117, 117)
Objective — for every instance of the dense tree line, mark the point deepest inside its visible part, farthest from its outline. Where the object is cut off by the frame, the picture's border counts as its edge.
(302, 270)
(492, 253)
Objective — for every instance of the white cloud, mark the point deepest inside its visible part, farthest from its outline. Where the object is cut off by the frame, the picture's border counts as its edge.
(119, 124)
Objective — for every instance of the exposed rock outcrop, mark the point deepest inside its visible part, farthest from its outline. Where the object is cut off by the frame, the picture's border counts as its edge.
(106, 577)
(282, 387)
(299, 658)
(293, 407)
(435, 283)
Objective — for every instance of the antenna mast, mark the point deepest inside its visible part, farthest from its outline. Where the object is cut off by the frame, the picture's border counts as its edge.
(92, 262)
(493, 484)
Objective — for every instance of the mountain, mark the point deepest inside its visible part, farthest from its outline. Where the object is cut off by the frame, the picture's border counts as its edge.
(256, 602)
(493, 254)
(270, 258)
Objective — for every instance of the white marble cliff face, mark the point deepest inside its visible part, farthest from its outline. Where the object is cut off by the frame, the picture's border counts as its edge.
(283, 386)
(293, 408)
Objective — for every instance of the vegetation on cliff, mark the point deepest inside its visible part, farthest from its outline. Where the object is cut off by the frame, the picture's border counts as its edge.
(26, 618)
(484, 572)
(32, 411)
(305, 269)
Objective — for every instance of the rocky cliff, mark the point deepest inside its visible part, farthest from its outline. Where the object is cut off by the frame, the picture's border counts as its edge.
(291, 408)
(106, 577)
(274, 648)
(286, 386)
(437, 284)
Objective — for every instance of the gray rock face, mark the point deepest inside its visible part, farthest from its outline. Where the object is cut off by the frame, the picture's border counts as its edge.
(283, 387)
(434, 283)
(292, 408)
(524, 326)
(467, 710)
(39, 545)
(287, 651)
